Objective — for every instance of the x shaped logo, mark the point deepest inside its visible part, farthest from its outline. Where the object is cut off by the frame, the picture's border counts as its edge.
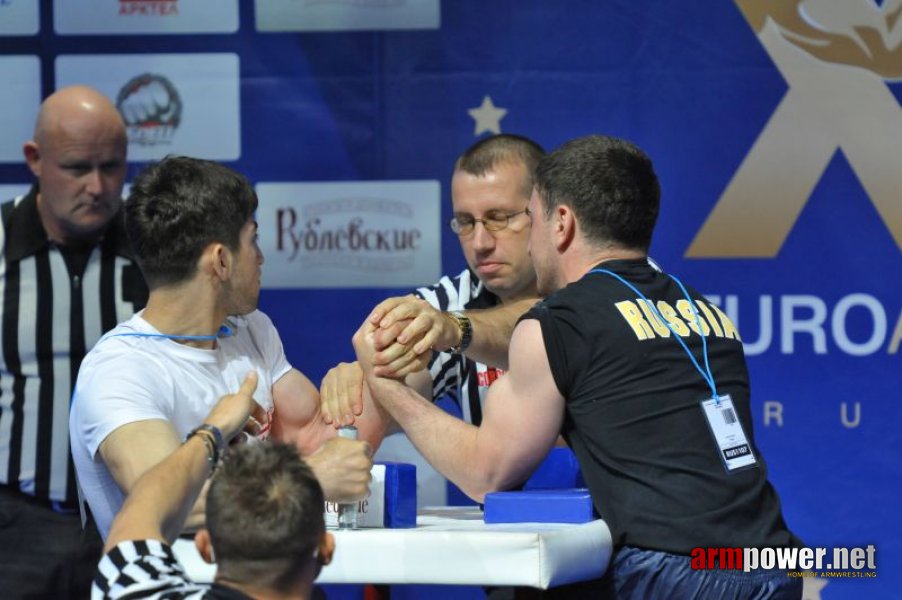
(836, 56)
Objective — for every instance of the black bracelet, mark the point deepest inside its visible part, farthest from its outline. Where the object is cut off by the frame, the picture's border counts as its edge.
(214, 435)
(207, 439)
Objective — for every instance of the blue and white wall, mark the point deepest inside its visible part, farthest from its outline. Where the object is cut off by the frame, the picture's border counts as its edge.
(775, 127)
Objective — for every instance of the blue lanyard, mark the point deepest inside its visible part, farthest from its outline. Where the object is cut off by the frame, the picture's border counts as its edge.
(224, 331)
(706, 373)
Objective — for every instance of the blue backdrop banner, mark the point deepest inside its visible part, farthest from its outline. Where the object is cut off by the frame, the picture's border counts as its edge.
(775, 127)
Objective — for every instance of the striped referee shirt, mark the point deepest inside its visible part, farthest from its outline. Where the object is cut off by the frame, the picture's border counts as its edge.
(465, 381)
(149, 569)
(50, 314)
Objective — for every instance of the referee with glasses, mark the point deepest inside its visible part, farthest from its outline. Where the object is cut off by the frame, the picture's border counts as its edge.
(490, 189)
(643, 376)
(66, 277)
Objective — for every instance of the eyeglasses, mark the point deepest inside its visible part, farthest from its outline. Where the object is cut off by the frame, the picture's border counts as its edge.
(495, 220)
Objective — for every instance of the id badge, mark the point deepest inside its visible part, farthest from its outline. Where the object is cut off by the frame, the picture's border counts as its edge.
(733, 447)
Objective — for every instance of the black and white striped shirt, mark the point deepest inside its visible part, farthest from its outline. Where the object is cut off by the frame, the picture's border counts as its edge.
(464, 380)
(49, 318)
(149, 569)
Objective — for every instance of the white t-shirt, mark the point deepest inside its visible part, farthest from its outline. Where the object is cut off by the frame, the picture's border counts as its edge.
(128, 378)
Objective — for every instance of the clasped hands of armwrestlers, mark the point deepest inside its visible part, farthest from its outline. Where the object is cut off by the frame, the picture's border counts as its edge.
(395, 340)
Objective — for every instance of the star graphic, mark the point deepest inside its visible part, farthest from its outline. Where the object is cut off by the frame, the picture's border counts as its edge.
(812, 586)
(488, 116)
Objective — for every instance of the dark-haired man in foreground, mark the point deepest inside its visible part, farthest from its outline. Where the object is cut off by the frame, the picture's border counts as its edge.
(264, 518)
(616, 359)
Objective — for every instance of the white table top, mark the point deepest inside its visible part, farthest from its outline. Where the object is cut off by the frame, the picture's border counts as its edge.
(452, 545)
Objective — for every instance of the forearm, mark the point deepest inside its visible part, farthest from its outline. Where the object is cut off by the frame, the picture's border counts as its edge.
(421, 383)
(454, 448)
(374, 423)
(492, 330)
(523, 413)
(197, 517)
(159, 502)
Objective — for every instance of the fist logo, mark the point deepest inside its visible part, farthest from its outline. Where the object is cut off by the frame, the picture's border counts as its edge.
(151, 108)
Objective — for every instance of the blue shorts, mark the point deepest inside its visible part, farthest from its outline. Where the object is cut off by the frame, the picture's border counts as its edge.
(637, 574)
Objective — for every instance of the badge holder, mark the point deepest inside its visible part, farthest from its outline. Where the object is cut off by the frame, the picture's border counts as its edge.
(729, 436)
(720, 414)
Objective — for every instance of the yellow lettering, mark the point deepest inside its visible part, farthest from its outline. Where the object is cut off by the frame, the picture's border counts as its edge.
(729, 330)
(654, 319)
(693, 317)
(710, 316)
(670, 314)
(632, 315)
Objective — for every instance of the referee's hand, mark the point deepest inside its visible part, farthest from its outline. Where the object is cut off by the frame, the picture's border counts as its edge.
(235, 412)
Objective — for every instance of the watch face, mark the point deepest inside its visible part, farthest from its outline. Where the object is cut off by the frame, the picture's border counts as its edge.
(466, 331)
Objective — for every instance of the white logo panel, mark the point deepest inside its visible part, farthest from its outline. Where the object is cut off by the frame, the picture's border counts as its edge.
(349, 234)
(19, 17)
(120, 17)
(20, 97)
(172, 103)
(347, 15)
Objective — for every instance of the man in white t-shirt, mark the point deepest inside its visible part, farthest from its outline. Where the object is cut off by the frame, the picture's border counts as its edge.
(150, 381)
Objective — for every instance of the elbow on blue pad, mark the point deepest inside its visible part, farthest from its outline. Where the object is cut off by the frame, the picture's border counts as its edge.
(559, 470)
(539, 506)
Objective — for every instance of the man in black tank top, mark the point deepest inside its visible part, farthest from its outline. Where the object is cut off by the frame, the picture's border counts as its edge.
(644, 378)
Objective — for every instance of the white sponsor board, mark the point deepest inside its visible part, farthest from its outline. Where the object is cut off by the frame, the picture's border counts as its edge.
(8, 191)
(19, 17)
(370, 510)
(347, 15)
(123, 17)
(20, 97)
(172, 103)
(349, 234)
